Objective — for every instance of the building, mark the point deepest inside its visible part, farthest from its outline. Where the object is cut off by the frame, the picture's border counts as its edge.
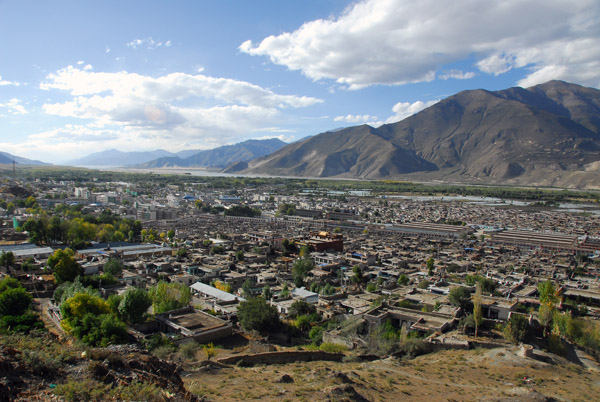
(428, 230)
(322, 241)
(190, 325)
(531, 239)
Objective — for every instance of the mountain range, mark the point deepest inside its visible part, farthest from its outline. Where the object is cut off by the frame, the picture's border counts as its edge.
(548, 134)
(6, 158)
(218, 157)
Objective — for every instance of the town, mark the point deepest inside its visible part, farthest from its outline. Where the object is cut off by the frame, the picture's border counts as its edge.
(352, 271)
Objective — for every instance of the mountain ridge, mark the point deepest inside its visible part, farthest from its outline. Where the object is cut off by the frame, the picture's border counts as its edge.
(507, 136)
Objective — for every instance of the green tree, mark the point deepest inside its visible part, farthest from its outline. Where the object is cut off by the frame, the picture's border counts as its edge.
(239, 256)
(171, 235)
(14, 301)
(301, 307)
(357, 276)
(255, 314)
(114, 267)
(169, 296)
(403, 280)
(516, 328)
(266, 292)
(300, 270)
(64, 266)
(134, 305)
(430, 266)
(460, 296)
(548, 300)
(7, 259)
(247, 289)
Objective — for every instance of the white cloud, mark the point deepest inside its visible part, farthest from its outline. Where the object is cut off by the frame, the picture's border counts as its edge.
(394, 42)
(148, 42)
(359, 118)
(456, 75)
(162, 111)
(6, 83)
(14, 106)
(403, 110)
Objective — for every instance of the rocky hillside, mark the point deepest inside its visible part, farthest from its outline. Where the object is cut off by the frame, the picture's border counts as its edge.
(221, 156)
(546, 133)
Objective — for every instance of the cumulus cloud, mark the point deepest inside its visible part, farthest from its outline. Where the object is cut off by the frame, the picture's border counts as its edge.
(404, 109)
(6, 83)
(163, 110)
(394, 42)
(14, 106)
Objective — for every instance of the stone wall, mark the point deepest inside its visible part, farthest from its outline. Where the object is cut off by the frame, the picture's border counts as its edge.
(282, 357)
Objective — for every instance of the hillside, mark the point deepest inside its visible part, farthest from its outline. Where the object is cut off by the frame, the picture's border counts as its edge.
(6, 158)
(547, 134)
(114, 158)
(221, 156)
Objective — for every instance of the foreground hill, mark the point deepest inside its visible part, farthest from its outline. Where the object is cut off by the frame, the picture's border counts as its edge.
(548, 134)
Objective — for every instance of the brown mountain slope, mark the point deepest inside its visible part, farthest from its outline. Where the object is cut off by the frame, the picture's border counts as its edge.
(503, 136)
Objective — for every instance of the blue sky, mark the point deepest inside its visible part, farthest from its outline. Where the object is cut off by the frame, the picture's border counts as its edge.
(77, 77)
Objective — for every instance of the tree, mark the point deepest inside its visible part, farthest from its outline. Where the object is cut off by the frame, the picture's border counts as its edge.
(134, 305)
(256, 314)
(64, 266)
(300, 270)
(301, 307)
(88, 317)
(7, 259)
(169, 296)
(477, 311)
(247, 289)
(357, 276)
(430, 266)
(114, 266)
(516, 328)
(266, 292)
(460, 296)
(548, 299)
(171, 235)
(403, 280)
(239, 256)
(14, 301)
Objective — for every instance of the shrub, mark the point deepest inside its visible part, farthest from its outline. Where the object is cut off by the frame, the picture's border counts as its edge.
(188, 350)
(332, 347)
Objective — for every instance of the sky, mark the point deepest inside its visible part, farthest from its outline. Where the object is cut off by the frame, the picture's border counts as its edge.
(78, 77)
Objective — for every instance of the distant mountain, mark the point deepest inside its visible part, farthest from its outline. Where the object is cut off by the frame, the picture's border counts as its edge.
(114, 158)
(7, 158)
(548, 134)
(219, 157)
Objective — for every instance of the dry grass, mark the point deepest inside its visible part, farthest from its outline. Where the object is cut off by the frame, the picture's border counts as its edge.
(443, 376)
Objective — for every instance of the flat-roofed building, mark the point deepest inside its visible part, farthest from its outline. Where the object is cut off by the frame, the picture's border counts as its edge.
(541, 240)
(424, 229)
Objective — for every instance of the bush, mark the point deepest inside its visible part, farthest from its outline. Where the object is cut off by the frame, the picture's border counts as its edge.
(21, 323)
(188, 350)
(333, 347)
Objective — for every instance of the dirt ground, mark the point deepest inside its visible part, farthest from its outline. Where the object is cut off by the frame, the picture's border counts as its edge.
(475, 375)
